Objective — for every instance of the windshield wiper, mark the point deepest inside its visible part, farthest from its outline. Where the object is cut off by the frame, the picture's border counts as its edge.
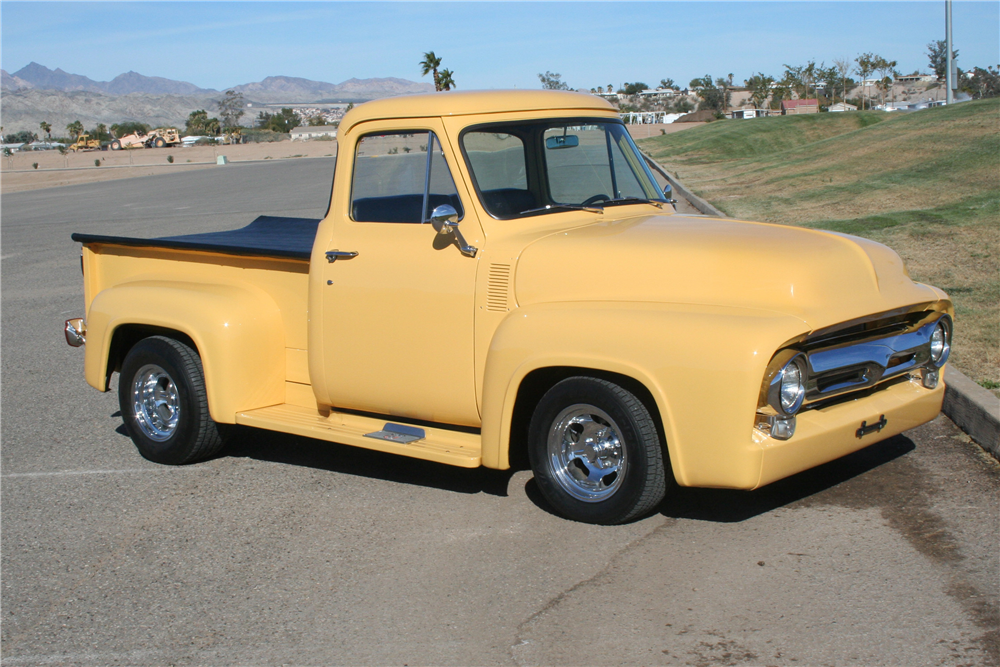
(563, 207)
(632, 200)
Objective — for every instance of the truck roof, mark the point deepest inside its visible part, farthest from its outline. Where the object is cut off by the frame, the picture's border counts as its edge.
(470, 103)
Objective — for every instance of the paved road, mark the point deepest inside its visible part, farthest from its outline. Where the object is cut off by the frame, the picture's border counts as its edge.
(286, 550)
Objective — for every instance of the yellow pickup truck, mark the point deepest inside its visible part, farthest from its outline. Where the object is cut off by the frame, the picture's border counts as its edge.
(500, 279)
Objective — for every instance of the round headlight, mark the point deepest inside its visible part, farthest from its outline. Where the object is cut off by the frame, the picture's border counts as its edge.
(793, 389)
(940, 344)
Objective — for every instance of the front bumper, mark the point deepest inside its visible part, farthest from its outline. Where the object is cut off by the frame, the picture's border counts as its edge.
(827, 433)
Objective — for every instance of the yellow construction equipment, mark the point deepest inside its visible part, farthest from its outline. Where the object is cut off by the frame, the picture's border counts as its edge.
(85, 143)
(161, 137)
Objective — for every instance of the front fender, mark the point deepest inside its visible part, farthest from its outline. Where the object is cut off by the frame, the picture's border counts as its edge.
(237, 330)
(703, 366)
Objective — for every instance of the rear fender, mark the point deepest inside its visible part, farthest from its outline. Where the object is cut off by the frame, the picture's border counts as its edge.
(702, 365)
(237, 330)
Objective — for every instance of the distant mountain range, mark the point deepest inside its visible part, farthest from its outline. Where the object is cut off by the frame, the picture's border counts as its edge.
(40, 77)
(273, 89)
(35, 93)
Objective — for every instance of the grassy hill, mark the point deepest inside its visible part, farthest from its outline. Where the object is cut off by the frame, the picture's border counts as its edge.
(925, 183)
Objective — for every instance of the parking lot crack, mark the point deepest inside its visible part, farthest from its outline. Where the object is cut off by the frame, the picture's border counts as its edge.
(556, 600)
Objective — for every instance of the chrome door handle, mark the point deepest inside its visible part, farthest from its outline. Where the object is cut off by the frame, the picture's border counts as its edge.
(333, 255)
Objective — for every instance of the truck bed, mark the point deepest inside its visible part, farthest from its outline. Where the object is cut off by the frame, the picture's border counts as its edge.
(267, 236)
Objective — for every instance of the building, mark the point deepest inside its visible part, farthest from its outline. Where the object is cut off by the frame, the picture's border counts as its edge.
(916, 78)
(789, 107)
(740, 114)
(843, 106)
(313, 132)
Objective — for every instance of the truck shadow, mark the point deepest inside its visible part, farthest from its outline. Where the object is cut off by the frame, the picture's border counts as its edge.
(728, 506)
(293, 450)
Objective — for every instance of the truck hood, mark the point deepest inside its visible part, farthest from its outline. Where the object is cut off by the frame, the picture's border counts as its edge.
(821, 277)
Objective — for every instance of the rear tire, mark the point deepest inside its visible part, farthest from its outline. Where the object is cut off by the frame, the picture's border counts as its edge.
(164, 405)
(596, 452)
(159, 142)
(116, 145)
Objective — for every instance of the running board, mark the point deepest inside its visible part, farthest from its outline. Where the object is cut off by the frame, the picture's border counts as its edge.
(437, 444)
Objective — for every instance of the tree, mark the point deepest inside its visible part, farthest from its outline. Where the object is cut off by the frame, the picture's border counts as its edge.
(75, 129)
(23, 137)
(982, 83)
(668, 84)
(843, 67)
(866, 65)
(429, 65)
(886, 70)
(760, 89)
(131, 127)
(284, 121)
(231, 109)
(446, 79)
(100, 132)
(553, 81)
(199, 124)
(937, 54)
(634, 88)
(712, 97)
(46, 128)
(317, 121)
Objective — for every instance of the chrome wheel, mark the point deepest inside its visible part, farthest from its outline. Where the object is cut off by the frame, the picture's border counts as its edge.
(155, 403)
(586, 453)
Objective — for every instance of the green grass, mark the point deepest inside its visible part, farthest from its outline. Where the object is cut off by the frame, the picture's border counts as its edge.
(926, 184)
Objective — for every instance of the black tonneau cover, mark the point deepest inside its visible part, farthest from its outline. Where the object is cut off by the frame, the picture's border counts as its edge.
(267, 236)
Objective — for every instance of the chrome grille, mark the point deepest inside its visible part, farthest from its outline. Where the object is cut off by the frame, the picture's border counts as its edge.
(854, 364)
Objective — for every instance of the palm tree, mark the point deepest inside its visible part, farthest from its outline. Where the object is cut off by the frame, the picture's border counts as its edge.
(429, 65)
(75, 129)
(445, 80)
(46, 128)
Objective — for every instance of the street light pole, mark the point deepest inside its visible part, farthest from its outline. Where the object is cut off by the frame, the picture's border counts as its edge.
(949, 81)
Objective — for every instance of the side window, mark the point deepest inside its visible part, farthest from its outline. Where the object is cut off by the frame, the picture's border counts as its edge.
(400, 177)
(499, 165)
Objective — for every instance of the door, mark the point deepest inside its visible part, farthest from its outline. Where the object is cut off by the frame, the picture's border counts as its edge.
(399, 316)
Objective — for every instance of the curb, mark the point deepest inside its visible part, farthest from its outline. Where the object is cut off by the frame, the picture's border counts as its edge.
(973, 409)
(683, 190)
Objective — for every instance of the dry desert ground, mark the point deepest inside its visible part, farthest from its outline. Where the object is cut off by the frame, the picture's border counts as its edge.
(18, 174)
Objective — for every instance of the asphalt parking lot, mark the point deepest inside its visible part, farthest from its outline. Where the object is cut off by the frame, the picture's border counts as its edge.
(285, 550)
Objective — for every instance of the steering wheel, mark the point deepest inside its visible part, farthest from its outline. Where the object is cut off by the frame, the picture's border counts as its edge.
(595, 199)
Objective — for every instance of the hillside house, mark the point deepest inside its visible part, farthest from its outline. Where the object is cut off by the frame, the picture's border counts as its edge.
(312, 132)
(789, 107)
(843, 106)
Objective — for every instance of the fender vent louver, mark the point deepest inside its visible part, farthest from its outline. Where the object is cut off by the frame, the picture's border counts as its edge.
(498, 287)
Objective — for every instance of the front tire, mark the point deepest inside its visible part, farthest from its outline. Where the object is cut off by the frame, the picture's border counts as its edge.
(163, 402)
(596, 453)
(116, 145)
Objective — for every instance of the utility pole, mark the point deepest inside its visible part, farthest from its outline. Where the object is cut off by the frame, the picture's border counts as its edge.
(949, 75)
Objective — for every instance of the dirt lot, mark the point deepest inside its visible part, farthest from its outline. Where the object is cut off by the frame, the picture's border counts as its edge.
(17, 173)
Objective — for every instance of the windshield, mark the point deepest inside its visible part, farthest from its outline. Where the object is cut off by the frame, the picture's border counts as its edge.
(532, 168)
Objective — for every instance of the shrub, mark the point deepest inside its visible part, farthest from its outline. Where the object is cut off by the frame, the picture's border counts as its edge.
(35, 165)
(97, 163)
(170, 159)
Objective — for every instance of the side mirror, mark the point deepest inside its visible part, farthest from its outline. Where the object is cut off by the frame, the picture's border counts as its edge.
(444, 219)
(668, 193)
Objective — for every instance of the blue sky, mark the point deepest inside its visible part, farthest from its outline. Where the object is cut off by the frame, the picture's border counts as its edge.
(487, 45)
